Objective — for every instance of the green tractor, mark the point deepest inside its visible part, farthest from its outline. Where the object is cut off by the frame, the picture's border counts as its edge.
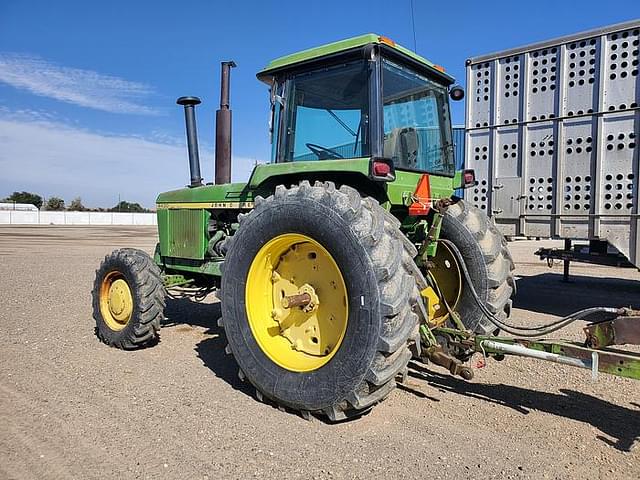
(345, 256)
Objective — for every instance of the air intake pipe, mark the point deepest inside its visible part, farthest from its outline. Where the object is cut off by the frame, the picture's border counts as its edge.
(223, 128)
(189, 104)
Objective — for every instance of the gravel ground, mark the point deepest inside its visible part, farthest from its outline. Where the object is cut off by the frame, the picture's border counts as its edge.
(71, 407)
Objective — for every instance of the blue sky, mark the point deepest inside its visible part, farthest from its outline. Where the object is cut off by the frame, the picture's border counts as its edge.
(88, 89)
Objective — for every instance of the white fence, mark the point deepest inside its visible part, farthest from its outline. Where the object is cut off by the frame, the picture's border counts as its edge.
(17, 217)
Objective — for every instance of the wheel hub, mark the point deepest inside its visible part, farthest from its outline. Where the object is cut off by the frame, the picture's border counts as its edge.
(296, 302)
(116, 301)
(120, 301)
(297, 319)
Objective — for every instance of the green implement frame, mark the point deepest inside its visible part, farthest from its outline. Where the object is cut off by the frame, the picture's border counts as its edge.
(624, 329)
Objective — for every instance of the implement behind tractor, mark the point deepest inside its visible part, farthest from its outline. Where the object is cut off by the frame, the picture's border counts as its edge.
(348, 255)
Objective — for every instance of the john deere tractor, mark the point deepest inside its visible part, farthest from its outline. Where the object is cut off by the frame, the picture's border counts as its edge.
(344, 257)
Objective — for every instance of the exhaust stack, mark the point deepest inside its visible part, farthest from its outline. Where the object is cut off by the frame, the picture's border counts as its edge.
(189, 104)
(223, 128)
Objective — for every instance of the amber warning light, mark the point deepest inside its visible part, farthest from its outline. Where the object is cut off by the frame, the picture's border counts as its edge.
(387, 40)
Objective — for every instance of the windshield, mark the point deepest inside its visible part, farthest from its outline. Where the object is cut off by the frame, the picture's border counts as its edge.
(417, 126)
(327, 114)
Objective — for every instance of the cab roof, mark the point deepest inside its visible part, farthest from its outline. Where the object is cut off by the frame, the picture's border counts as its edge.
(311, 54)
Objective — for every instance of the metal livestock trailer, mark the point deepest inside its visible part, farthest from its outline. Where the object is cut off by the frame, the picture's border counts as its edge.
(458, 151)
(551, 131)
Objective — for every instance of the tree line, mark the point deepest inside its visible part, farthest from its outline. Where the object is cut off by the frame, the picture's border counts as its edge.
(58, 204)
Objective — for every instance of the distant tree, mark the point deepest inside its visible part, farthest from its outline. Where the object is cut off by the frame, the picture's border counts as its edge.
(76, 205)
(25, 197)
(55, 203)
(125, 206)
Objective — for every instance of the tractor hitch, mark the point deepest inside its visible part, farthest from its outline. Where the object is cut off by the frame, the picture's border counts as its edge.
(438, 356)
(449, 347)
(624, 329)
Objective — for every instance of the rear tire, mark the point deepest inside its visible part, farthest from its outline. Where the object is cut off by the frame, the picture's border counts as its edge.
(486, 255)
(128, 300)
(377, 265)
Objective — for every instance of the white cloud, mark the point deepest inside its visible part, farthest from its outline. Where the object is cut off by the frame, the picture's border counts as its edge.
(51, 158)
(85, 88)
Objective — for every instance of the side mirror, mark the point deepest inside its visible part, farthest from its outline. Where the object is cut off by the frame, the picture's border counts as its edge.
(456, 93)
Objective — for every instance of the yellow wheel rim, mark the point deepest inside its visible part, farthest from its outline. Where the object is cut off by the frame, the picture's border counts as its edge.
(446, 273)
(298, 337)
(116, 301)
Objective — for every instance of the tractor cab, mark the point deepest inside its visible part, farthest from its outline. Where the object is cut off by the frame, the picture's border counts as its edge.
(364, 97)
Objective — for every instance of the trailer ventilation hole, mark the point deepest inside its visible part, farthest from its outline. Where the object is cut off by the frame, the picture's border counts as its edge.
(510, 151)
(509, 68)
(620, 145)
(580, 55)
(481, 152)
(616, 183)
(480, 194)
(622, 66)
(543, 82)
(540, 194)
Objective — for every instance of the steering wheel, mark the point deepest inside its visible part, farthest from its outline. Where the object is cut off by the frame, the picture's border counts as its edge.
(323, 153)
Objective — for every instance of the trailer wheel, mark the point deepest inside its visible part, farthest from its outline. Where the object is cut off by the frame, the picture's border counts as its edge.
(490, 266)
(128, 299)
(317, 299)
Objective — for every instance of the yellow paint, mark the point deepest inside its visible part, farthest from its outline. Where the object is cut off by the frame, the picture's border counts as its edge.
(297, 339)
(447, 276)
(205, 205)
(116, 301)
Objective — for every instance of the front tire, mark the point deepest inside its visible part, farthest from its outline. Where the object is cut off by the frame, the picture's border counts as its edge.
(375, 263)
(128, 300)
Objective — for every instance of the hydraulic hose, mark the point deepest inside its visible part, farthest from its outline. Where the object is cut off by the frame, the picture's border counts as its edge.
(537, 331)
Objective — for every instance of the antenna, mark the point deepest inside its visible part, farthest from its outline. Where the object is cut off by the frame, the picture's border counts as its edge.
(413, 24)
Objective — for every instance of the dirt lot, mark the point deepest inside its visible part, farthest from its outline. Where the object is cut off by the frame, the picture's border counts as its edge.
(71, 407)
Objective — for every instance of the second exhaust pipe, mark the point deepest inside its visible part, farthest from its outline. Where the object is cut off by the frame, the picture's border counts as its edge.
(223, 128)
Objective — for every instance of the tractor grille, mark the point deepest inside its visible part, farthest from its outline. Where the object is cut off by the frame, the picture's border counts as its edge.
(186, 230)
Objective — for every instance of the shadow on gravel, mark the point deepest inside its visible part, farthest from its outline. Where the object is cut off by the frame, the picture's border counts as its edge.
(182, 311)
(547, 293)
(620, 423)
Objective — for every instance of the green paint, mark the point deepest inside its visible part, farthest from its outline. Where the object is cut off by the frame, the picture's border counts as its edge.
(341, 46)
(441, 187)
(176, 280)
(433, 234)
(262, 173)
(183, 233)
(457, 180)
(246, 192)
(624, 364)
(401, 190)
(228, 192)
(184, 214)
(428, 338)
(184, 265)
(611, 361)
